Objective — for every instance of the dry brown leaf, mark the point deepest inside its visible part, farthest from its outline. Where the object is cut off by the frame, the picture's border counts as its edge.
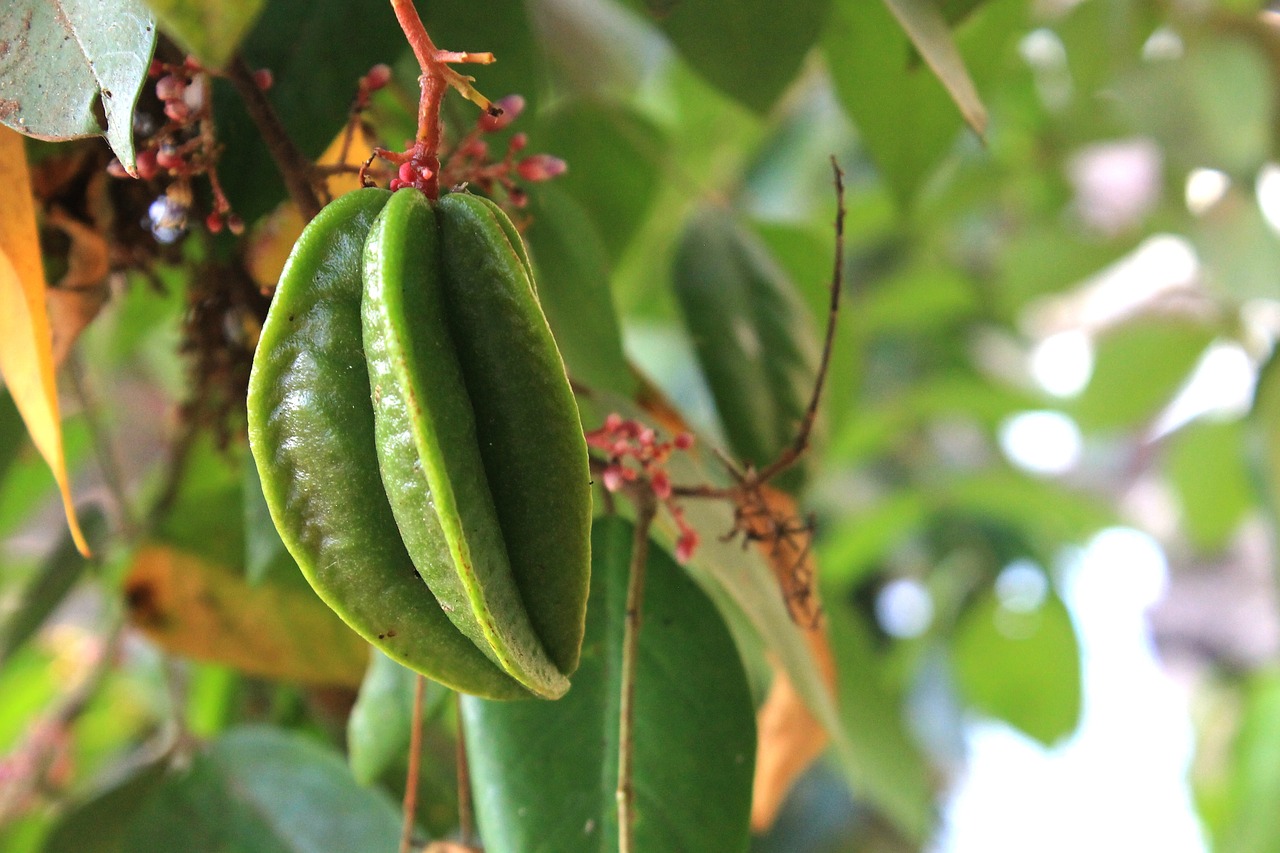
(195, 608)
(273, 238)
(789, 736)
(26, 343)
(80, 294)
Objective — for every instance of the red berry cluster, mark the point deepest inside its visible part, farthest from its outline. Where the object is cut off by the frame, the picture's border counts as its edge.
(635, 451)
(182, 148)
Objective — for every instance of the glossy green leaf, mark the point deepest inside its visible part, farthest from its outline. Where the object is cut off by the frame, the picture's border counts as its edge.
(614, 155)
(926, 25)
(756, 342)
(1206, 466)
(752, 53)
(260, 790)
(573, 270)
(49, 586)
(545, 773)
(1138, 367)
(75, 68)
(210, 30)
(1021, 667)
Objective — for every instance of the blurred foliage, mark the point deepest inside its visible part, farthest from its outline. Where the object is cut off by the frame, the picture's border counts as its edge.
(186, 690)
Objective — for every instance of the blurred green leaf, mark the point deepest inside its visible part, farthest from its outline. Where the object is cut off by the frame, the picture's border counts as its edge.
(754, 337)
(27, 486)
(56, 576)
(738, 52)
(261, 790)
(69, 68)
(891, 766)
(1206, 465)
(1138, 367)
(101, 823)
(614, 156)
(1247, 824)
(1022, 667)
(545, 774)
(380, 722)
(927, 26)
(12, 433)
(210, 30)
(573, 271)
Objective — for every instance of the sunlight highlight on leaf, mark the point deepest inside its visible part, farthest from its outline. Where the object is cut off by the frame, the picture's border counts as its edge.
(26, 343)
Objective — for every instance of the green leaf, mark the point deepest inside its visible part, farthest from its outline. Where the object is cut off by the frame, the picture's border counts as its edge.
(891, 767)
(613, 155)
(69, 68)
(1206, 466)
(210, 30)
(1248, 823)
(752, 52)
(51, 583)
(903, 114)
(101, 822)
(265, 555)
(260, 790)
(1021, 667)
(754, 337)
(573, 270)
(1138, 367)
(13, 433)
(379, 726)
(545, 773)
(926, 25)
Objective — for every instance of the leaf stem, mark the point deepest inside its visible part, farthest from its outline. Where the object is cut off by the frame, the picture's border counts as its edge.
(466, 808)
(646, 508)
(411, 778)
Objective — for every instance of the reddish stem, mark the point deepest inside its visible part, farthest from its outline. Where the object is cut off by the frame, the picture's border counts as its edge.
(435, 81)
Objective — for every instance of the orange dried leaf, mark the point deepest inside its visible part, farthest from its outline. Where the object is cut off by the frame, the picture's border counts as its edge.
(192, 607)
(26, 343)
(273, 238)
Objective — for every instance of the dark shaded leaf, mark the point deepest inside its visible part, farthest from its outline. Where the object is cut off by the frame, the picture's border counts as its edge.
(754, 337)
(1021, 667)
(67, 69)
(751, 53)
(378, 728)
(545, 772)
(51, 583)
(210, 30)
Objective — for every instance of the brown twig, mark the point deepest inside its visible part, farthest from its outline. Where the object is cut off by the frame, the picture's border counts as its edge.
(293, 166)
(646, 508)
(466, 808)
(415, 757)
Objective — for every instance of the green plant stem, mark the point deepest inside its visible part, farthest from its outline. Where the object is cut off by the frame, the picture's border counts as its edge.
(466, 808)
(415, 756)
(646, 507)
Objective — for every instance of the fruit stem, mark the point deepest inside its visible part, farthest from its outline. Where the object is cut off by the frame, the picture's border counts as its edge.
(646, 508)
(435, 81)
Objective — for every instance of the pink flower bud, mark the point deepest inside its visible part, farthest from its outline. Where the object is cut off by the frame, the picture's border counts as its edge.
(264, 79)
(510, 108)
(613, 478)
(177, 110)
(684, 441)
(686, 545)
(661, 483)
(170, 87)
(378, 76)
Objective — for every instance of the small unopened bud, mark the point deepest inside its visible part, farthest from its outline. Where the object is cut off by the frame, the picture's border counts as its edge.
(170, 87)
(406, 172)
(661, 483)
(614, 478)
(235, 224)
(213, 222)
(147, 166)
(684, 441)
(508, 110)
(168, 157)
(396, 184)
(116, 169)
(263, 79)
(686, 545)
(177, 110)
(541, 167)
(378, 76)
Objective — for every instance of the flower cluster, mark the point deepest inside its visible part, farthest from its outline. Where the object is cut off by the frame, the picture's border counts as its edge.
(180, 148)
(634, 452)
(468, 162)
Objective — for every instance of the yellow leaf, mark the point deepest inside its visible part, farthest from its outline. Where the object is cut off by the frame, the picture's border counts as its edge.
(273, 238)
(26, 344)
(197, 608)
